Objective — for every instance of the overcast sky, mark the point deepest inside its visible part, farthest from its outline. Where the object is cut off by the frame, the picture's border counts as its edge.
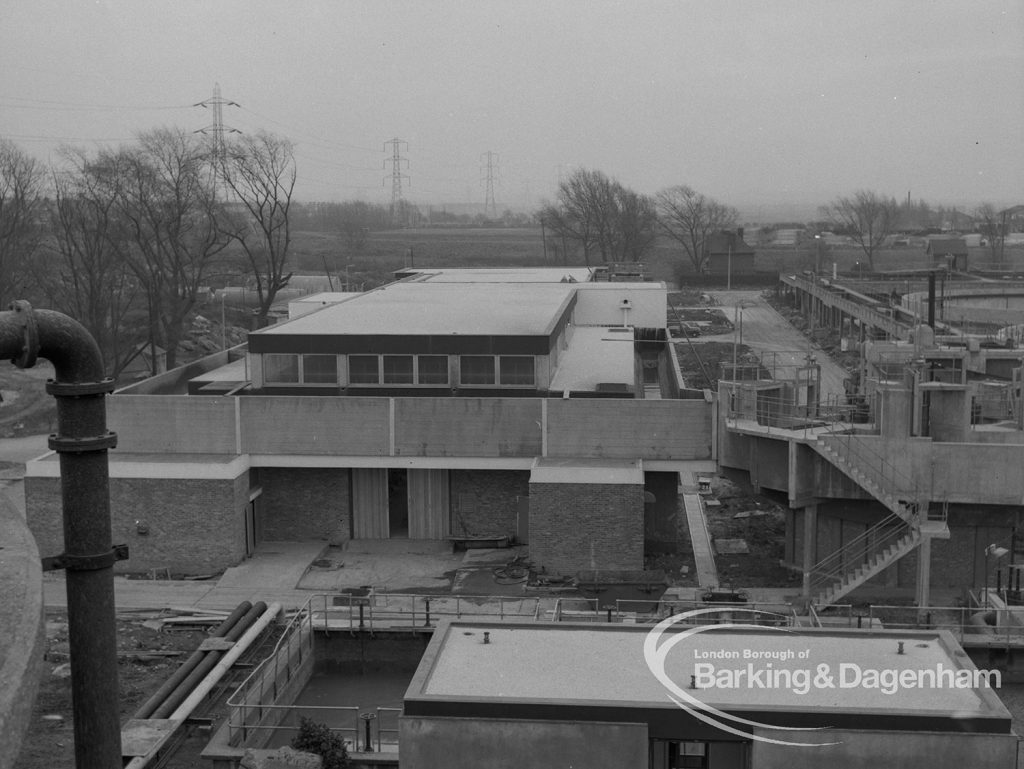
(755, 103)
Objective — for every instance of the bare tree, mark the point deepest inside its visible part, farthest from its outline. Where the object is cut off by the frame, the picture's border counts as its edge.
(21, 199)
(992, 225)
(637, 225)
(691, 218)
(167, 199)
(600, 215)
(87, 274)
(867, 217)
(260, 171)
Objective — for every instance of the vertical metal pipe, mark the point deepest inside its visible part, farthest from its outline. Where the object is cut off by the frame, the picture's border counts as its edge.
(82, 441)
(931, 299)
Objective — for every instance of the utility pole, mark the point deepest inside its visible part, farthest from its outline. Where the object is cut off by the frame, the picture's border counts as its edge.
(490, 208)
(217, 129)
(396, 161)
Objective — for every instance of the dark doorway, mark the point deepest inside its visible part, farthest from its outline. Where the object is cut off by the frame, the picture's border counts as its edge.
(398, 504)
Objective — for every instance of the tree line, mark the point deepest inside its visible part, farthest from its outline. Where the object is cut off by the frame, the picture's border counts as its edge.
(126, 240)
(597, 217)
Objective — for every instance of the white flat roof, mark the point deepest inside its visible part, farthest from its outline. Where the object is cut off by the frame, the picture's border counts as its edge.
(503, 275)
(327, 297)
(595, 355)
(492, 309)
(606, 666)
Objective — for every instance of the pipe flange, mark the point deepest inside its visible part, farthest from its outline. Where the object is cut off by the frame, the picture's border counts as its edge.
(86, 562)
(63, 445)
(25, 317)
(71, 389)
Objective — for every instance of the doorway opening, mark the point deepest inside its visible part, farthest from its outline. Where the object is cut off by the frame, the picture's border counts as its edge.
(398, 503)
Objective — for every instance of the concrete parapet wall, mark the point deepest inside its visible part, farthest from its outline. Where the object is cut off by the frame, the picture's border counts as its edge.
(22, 633)
(465, 743)
(318, 425)
(936, 750)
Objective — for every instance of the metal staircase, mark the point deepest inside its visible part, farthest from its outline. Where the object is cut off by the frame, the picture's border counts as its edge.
(887, 541)
(861, 559)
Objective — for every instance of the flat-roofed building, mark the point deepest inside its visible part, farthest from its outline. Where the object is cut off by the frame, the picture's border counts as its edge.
(554, 695)
(422, 410)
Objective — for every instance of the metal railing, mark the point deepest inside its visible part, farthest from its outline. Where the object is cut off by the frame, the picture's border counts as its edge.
(862, 312)
(390, 732)
(836, 566)
(785, 413)
(383, 610)
(253, 707)
(970, 626)
(628, 611)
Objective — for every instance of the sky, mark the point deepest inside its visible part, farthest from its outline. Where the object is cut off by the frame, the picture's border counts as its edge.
(768, 106)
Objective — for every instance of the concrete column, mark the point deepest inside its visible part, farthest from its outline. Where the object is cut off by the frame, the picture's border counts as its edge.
(924, 572)
(810, 545)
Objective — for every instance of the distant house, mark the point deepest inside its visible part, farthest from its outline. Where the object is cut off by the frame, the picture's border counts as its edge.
(948, 252)
(727, 251)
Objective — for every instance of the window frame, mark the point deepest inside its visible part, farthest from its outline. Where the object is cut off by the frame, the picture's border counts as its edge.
(303, 374)
(446, 368)
(296, 364)
(377, 374)
(494, 371)
(533, 370)
(384, 370)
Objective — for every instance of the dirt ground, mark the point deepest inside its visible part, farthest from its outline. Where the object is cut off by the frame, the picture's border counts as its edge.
(26, 408)
(758, 520)
(50, 740)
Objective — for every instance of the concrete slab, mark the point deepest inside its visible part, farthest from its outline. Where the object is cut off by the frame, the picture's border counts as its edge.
(481, 580)
(700, 539)
(276, 565)
(389, 571)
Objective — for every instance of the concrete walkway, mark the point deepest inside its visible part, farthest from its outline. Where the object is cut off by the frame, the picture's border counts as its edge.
(703, 554)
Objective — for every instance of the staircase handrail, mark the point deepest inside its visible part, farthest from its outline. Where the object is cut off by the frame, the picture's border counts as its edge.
(856, 552)
(887, 475)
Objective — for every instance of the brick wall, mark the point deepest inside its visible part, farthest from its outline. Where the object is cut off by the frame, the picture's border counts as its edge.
(484, 501)
(575, 526)
(193, 526)
(304, 503)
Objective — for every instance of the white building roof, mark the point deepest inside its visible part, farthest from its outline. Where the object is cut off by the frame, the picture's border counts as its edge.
(497, 309)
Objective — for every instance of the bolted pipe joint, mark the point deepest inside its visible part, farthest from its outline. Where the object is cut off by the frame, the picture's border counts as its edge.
(82, 441)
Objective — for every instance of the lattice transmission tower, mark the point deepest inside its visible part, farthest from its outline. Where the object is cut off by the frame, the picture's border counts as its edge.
(217, 129)
(490, 175)
(396, 160)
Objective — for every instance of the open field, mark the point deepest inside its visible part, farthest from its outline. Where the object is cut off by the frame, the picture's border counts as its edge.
(373, 263)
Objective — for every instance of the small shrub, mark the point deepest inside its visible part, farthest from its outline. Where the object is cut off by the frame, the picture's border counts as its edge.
(319, 739)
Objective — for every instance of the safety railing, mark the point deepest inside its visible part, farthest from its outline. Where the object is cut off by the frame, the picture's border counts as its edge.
(970, 626)
(857, 552)
(877, 468)
(628, 611)
(862, 312)
(387, 728)
(743, 402)
(378, 610)
(253, 708)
